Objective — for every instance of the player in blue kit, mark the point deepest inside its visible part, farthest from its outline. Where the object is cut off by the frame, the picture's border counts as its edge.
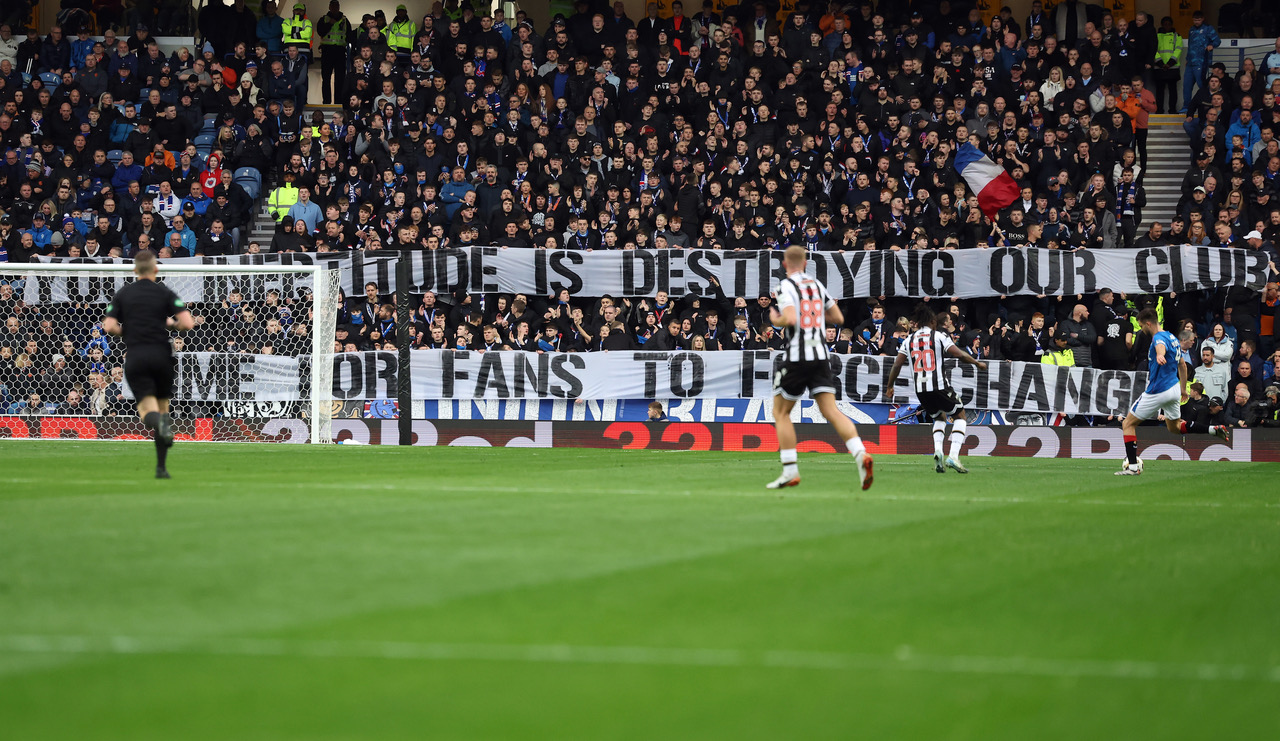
(1166, 391)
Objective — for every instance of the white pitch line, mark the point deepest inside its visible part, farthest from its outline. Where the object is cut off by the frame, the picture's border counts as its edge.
(425, 487)
(1091, 502)
(903, 659)
(103, 484)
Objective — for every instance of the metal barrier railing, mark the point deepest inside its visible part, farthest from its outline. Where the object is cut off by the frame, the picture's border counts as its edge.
(1233, 52)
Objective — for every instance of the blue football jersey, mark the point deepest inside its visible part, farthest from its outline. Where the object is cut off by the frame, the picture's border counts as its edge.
(1163, 377)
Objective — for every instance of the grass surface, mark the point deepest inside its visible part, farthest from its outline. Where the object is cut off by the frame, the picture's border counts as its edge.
(392, 593)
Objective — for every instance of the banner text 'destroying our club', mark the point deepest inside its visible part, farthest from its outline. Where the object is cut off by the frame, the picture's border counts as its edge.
(978, 273)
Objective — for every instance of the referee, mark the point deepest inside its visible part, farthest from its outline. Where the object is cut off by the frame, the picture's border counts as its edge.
(144, 312)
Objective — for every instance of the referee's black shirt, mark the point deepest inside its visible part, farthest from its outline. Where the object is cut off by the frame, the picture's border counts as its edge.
(143, 307)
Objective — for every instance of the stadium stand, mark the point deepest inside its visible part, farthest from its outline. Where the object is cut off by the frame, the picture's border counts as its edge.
(738, 127)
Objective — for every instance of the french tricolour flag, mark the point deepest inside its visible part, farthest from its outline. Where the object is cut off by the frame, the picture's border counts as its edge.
(993, 186)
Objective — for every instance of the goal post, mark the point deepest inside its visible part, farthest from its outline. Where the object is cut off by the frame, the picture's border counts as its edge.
(258, 366)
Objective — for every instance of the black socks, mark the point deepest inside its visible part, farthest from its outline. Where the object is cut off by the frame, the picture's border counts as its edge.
(1131, 449)
(152, 422)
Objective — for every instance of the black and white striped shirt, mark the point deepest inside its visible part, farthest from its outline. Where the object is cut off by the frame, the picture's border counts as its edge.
(806, 340)
(925, 350)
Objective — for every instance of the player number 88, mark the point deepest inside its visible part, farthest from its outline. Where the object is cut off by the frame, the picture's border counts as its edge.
(810, 313)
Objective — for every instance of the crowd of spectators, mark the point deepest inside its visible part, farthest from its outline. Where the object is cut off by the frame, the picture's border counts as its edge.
(735, 127)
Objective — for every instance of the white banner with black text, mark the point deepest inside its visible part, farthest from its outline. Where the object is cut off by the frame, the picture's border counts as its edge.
(977, 273)
(1004, 385)
(446, 374)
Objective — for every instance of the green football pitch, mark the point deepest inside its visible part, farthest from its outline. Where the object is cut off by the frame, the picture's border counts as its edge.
(406, 593)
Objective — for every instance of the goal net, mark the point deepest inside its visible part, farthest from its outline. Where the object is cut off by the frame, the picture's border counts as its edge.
(257, 368)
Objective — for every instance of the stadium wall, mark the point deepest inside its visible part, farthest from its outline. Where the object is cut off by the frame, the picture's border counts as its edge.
(1260, 445)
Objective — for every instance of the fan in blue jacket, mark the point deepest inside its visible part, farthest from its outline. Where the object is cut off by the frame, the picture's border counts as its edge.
(126, 172)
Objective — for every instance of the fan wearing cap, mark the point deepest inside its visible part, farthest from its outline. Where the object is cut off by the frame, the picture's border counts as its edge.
(81, 46)
(1201, 171)
(1198, 203)
(400, 32)
(123, 85)
(297, 30)
(41, 234)
(251, 68)
(1059, 354)
(1256, 241)
(68, 236)
(35, 178)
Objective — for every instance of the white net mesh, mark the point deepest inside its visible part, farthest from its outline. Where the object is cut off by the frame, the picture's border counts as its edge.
(257, 367)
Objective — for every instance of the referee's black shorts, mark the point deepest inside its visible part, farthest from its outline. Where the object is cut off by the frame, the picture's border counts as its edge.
(939, 404)
(149, 372)
(792, 379)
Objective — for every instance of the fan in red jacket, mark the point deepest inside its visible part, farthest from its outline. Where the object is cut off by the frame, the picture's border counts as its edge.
(212, 176)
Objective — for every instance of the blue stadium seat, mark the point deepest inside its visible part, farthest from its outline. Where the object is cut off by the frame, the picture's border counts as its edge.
(204, 140)
(248, 173)
(114, 156)
(50, 79)
(249, 179)
(120, 131)
(144, 93)
(26, 79)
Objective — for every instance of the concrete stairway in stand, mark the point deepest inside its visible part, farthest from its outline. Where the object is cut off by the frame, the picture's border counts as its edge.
(263, 227)
(1168, 157)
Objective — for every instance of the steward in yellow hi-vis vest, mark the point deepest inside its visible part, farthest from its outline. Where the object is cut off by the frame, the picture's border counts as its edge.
(297, 30)
(1060, 354)
(333, 28)
(400, 31)
(1166, 71)
(283, 198)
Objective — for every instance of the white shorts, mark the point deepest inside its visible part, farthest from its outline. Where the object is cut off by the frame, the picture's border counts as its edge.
(1168, 401)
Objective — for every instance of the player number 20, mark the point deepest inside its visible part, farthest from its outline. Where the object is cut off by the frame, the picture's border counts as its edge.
(922, 359)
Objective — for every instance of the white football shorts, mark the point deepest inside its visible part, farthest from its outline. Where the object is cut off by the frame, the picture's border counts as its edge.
(1149, 405)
